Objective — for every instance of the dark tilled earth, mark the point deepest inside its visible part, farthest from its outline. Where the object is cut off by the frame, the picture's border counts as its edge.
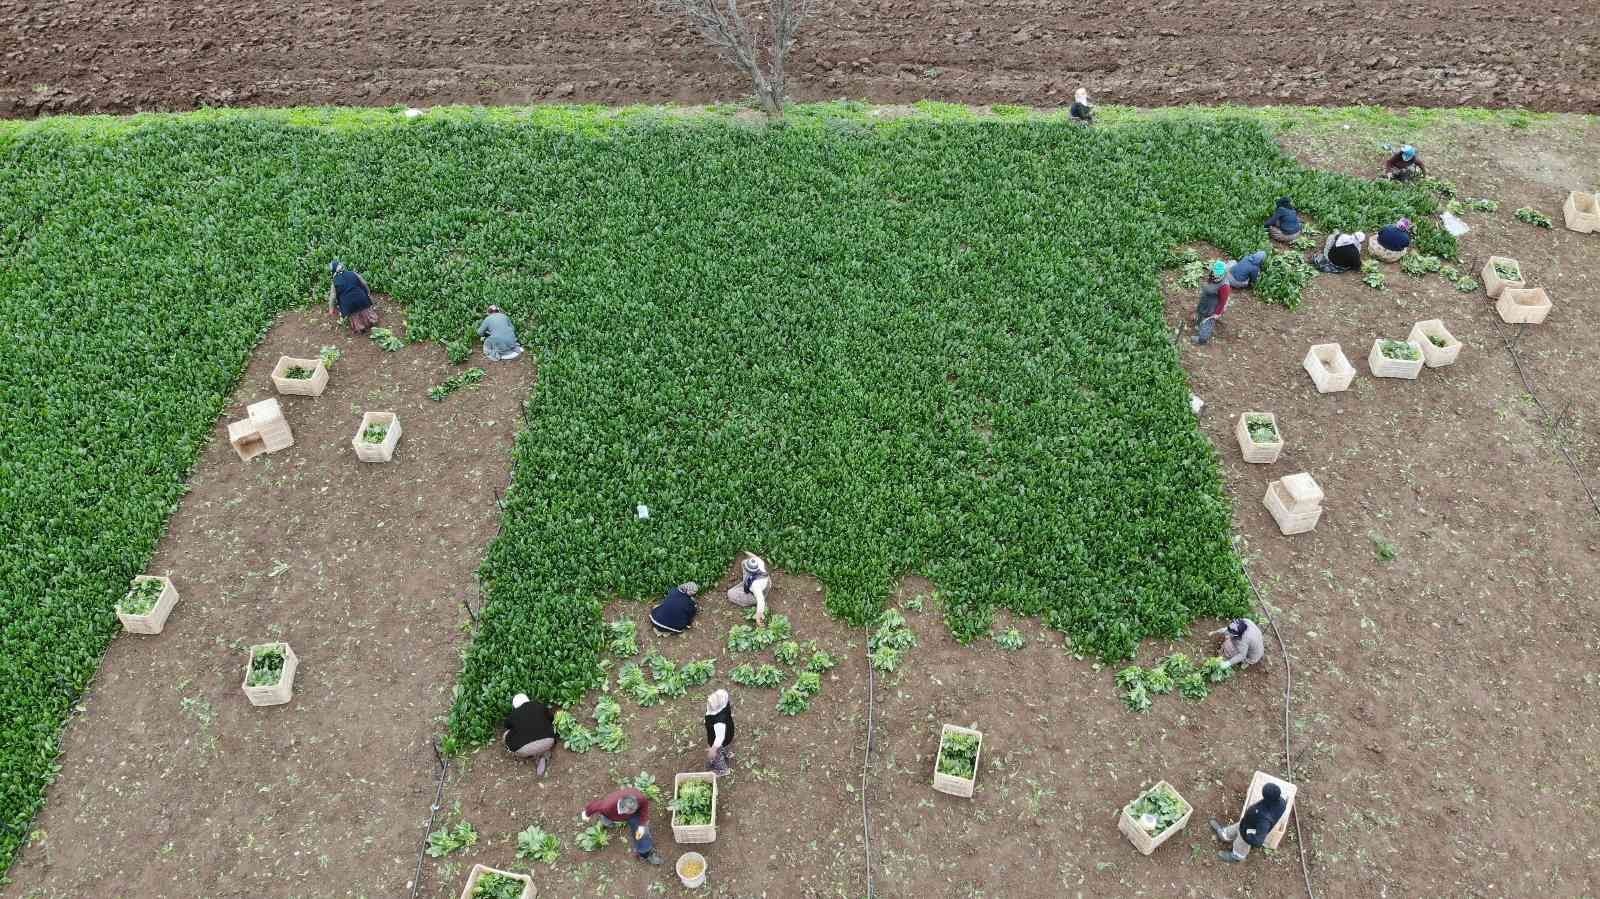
(78, 56)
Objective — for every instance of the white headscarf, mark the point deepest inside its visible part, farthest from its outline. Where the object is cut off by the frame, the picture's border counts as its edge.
(519, 700)
(716, 702)
(1082, 96)
(1346, 240)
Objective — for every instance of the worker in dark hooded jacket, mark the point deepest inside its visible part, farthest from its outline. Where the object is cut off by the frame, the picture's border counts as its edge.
(1252, 828)
(677, 611)
(1244, 274)
(350, 299)
(1285, 225)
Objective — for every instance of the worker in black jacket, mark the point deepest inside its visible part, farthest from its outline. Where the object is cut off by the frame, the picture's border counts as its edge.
(1253, 826)
(529, 733)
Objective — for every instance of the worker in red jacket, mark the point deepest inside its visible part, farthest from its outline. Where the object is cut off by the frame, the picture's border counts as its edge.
(631, 807)
(1214, 295)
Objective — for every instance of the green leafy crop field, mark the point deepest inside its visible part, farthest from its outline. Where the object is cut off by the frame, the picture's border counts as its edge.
(860, 349)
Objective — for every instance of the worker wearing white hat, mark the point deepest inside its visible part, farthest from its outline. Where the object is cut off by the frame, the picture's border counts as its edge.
(752, 587)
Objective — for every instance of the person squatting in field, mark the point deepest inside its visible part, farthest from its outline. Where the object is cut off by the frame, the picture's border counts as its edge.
(1214, 295)
(752, 587)
(631, 807)
(1241, 644)
(1244, 274)
(1405, 165)
(1285, 226)
(499, 336)
(529, 732)
(1082, 110)
(676, 613)
(1340, 253)
(1253, 826)
(350, 299)
(719, 732)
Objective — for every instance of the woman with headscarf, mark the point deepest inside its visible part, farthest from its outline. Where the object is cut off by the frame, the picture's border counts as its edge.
(1405, 165)
(752, 587)
(529, 732)
(499, 336)
(719, 732)
(1082, 110)
(1341, 253)
(677, 611)
(1284, 226)
(1244, 274)
(1253, 826)
(1391, 241)
(349, 298)
(1214, 295)
(1241, 643)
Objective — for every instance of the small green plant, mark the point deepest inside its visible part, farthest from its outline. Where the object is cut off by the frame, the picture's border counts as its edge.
(745, 638)
(622, 638)
(594, 837)
(1158, 681)
(645, 783)
(297, 373)
(1010, 640)
(469, 378)
(1261, 429)
(498, 886)
(1372, 275)
(458, 351)
(750, 676)
(793, 701)
(788, 652)
(607, 711)
(1399, 349)
(141, 598)
(692, 804)
(448, 839)
(890, 641)
(1162, 804)
(1383, 549)
(632, 680)
(266, 665)
(1194, 271)
(1438, 341)
(538, 845)
(958, 754)
(1418, 265)
(573, 733)
(1193, 686)
(1531, 216)
(821, 662)
(329, 355)
(1440, 186)
(374, 433)
(693, 674)
(1216, 670)
(386, 340)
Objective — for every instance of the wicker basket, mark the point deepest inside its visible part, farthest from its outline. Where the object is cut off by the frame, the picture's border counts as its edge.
(1329, 369)
(312, 386)
(263, 430)
(1384, 367)
(949, 783)
(1523, 307)
(695, 833)
(153, 621)
(1259, 781)
(1258, 453)
(1142, 840)
(528, 889)
(278, 693)
(1493, 283)
(1435, 356)
(1582, 212)
(377, 452)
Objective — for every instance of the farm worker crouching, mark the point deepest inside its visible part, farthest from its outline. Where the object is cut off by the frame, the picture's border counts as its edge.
(1241, 643)
(1214, 295)
(529, 733)
(1082, 110)
(1247, 271)
(350, 299)
(676, 612)
(752, 587)
(1340, 253)
(1284, 226)
(1253, 826)
(1405, 165)
(1392, 241)
(719, 732)
(499, 336)
(631, 807)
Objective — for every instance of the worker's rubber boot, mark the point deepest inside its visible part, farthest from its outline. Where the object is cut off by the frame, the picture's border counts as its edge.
(1229, 857)
(1218, 830)
(654, 858)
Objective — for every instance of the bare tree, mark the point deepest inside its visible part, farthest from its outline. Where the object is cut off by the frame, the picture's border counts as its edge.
(758, 50)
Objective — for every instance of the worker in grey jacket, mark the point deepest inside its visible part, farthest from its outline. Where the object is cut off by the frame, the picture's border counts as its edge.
(499, 336)
(1244, 274)
(1242, 643)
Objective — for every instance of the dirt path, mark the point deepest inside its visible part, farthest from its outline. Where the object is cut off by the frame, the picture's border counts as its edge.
(121, 56)
(172, 785)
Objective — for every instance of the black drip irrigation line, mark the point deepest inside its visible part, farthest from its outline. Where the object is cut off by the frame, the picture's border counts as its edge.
(433, 811)
(866, 759)
(1288, 759)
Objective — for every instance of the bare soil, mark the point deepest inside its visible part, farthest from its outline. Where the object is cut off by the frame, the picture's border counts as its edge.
(172, 784)
(122, 56)
(1444, 707)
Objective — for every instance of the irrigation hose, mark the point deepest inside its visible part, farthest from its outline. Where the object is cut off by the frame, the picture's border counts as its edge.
(1288, 760)
(866, 759)
(433, 811)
